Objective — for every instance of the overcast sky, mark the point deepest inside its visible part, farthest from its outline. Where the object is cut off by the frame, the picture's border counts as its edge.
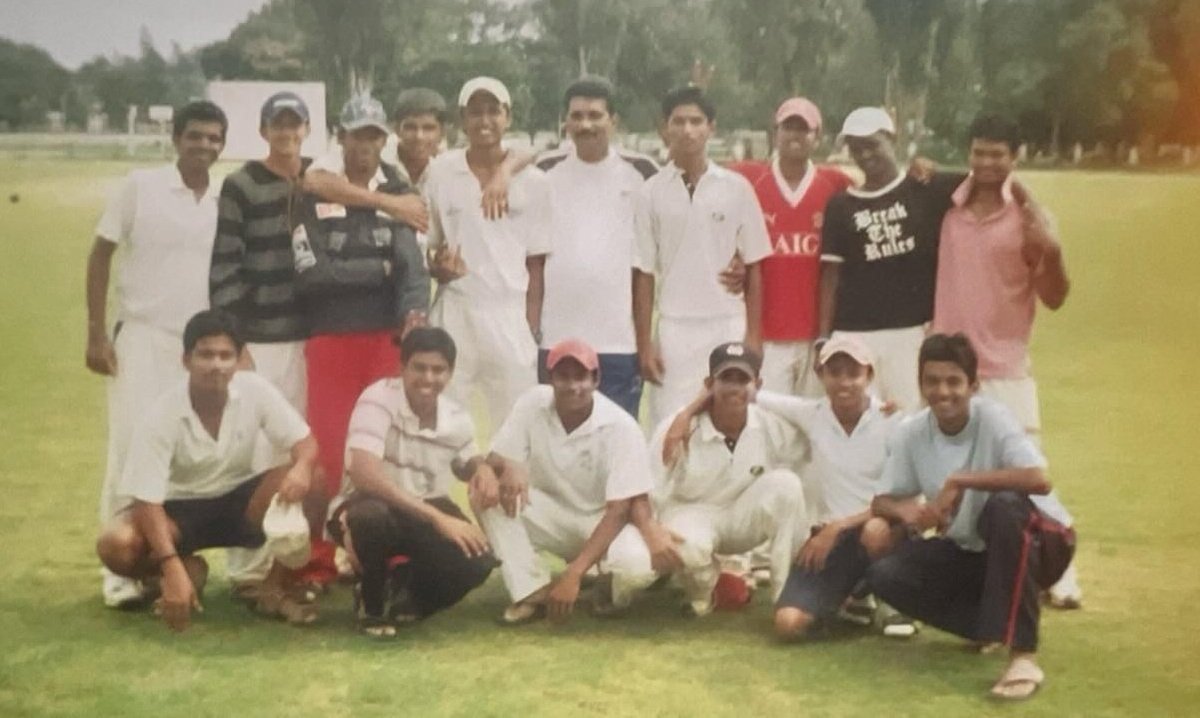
(75, 31)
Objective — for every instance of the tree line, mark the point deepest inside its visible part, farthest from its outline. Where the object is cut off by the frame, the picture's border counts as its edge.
(1096, 72)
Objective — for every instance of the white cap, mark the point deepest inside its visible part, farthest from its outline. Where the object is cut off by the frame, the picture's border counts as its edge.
(287, 533)
(490, 85)
(866, 121)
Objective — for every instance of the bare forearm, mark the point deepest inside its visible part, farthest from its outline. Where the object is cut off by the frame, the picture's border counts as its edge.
(754, 303)
(643, 308)
(616, 515)
(335, 188)
(892, 508)
(99, 265)
(827, 300)
(535, 293)
(641, 513)
(1031, 480)
(305, 452)
(152, 523)
(516, 160)
(1051, 282)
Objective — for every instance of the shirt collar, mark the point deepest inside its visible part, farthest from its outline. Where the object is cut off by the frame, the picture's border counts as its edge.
(963, 192)
(599, 417)
(708, 432)
(409, 418)
(175, 184)
(187, 412)
(793, 196)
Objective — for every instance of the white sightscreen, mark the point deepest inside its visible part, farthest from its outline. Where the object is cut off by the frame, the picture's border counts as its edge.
(242, 101)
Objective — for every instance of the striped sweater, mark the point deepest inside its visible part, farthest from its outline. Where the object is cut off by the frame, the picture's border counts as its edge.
(252, 273)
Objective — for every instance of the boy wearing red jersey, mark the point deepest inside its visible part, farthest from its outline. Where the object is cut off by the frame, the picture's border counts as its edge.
(792, 193)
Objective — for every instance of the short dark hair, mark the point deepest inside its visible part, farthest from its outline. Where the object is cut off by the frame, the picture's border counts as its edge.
(688, 95)
(955, 348)
(419, 101)
(428, 339)
(198, 111)
(592, 87)
(211, 323)
(996, 128)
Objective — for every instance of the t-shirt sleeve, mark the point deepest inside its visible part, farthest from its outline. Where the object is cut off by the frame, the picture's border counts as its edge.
(1015, 450)
(899, 473)
(370, 420)
(147, 468)
(280, 421)
(645, 248)
(834, 231)
(512, 440)
(628, 462)
(753, 242)
(116, 224)
(538, 233)
(797, 410)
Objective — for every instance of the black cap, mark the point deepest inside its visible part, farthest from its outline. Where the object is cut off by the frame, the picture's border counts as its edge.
(734, 354)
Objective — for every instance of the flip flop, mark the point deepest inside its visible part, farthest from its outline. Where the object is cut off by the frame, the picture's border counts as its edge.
(1020, 673)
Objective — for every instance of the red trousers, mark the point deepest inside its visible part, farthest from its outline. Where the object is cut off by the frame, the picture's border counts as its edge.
(340, 367)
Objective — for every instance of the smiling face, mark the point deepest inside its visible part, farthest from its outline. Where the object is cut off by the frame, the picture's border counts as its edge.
(845, 381)
(211, 363)
(420, 136)
(795, 140)
(485, 120)
(590, 126)
(574, 386)
(285, 133)
(687, 131)
(874, 155)
(991, 161)
(425, 375)
(732, 389)
(199, 145)
(947, 389)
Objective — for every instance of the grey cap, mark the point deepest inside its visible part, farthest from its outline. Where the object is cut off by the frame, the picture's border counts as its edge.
(417, 101)
(361, 111)
(283, 102)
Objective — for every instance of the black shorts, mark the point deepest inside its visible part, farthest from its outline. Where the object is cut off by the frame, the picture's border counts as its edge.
(216, 522)
(821, 593)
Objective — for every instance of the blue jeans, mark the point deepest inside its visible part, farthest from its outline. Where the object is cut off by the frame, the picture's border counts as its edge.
(620, 379)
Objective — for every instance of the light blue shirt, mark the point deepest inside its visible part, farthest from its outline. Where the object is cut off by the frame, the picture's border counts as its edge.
(923, 457)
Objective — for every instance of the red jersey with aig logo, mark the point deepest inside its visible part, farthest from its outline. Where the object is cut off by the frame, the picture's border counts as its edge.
(791, 275)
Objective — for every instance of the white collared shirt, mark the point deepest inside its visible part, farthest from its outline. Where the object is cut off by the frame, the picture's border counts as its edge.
(588, 293)
(172, 455)
(604, 459)
(417, 460)
(711, 474)
(166, 237)
(687, 240)
(493, 250)
(847, 467)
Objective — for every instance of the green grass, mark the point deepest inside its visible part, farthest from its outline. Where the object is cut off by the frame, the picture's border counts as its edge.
(1115, 368)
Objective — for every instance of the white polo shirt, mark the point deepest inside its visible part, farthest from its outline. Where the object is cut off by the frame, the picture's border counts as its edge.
(416, 459)
(687, 241)
(166, 238)
(710, 473)
(588, 289)
(172, 455)
(847, 467)
(604, 459)
(494, 250)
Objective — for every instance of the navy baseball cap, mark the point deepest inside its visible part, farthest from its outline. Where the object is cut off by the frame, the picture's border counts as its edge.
(283, 102)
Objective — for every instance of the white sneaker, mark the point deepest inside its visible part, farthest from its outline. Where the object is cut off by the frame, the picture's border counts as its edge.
(120, 592)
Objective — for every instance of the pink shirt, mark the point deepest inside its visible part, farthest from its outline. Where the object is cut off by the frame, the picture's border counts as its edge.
(984, 287)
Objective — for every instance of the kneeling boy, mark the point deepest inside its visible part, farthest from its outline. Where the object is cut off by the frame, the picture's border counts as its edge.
(189, 477)
(415, 551)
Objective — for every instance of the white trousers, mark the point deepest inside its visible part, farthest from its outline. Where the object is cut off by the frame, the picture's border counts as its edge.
(1021, 398)
(281, 363)
(895, 353)
(771, 510)
(496, 353)
(543, 525)
(149, 363)
(685, 345)
(790, 368)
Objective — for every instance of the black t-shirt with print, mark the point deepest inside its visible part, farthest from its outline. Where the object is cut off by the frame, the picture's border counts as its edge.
(887, 242)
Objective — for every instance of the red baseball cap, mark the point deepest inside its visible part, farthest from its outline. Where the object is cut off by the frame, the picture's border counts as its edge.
(576, 349)
(801, 107)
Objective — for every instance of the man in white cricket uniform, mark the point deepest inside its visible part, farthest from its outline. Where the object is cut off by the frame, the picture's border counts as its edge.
(163, 220)
(692, 218)
(593, 187)
(585, 460)
(733, 488)
(490, 271)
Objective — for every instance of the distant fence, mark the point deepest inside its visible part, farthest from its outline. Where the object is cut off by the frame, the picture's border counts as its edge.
(30, 145)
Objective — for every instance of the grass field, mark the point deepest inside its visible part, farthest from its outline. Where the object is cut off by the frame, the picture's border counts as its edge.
(1120, 408)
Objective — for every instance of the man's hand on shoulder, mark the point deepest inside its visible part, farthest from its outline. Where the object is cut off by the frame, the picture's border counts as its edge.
(408, 208)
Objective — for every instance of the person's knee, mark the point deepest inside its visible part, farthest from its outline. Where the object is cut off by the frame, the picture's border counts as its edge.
(367, 521)
(784, 490)
(877, 538)
(791, 623)
(121, 549)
